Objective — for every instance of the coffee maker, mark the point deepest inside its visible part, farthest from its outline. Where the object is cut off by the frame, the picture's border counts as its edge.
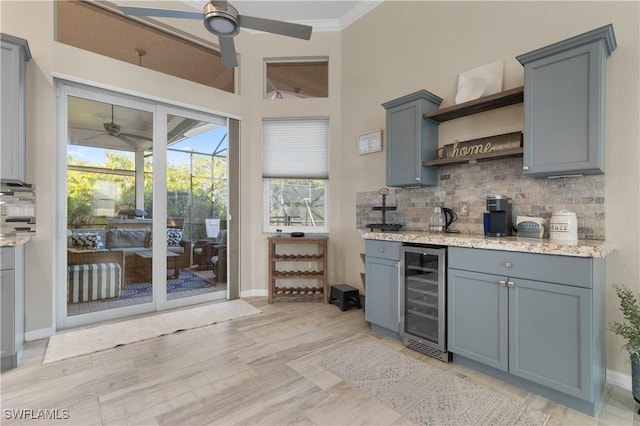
(497, 219)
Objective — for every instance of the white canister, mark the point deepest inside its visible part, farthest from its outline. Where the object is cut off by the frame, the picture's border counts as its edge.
(563, 226)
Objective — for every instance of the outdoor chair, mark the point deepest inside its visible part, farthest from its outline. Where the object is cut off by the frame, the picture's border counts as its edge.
(204, 250)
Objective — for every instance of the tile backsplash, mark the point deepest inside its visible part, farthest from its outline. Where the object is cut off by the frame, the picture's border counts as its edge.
(472, 183)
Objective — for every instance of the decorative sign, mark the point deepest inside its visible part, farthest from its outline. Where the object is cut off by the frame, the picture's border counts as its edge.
(481, 146)
(370, 142)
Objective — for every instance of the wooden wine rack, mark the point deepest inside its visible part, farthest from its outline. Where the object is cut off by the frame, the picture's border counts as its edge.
(278, 271)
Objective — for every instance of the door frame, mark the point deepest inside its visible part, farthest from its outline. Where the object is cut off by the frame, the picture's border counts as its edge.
(159, 109)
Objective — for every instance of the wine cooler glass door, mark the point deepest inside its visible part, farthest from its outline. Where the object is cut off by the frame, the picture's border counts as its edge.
(423, 295)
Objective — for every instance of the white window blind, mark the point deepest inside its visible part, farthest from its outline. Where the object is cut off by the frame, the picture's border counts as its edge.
(295, 148)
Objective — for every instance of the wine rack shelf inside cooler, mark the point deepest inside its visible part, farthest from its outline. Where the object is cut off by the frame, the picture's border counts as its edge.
(423, 319)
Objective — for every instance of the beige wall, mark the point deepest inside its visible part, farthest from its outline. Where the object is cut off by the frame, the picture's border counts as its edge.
(34, 21)
(425, 47)
(401, 47)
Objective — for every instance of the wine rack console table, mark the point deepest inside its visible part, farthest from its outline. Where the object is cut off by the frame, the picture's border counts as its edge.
(299, 261)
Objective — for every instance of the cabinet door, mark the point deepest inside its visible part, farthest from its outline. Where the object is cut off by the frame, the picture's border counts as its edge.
(11, 121)
(478, 317)
(411, 139)
(381, 301)
(7, 322)
(564, 113)
(403, 137)
(550, 336)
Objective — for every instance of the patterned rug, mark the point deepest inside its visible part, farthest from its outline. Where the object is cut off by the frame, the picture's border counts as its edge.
(426, 394)
(185, 282)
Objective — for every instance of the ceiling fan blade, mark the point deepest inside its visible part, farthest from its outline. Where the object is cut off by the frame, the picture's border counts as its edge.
(162, 13)
(131, 135)
(132, 144)
(276, 27)
(97, 135)
(228, 52)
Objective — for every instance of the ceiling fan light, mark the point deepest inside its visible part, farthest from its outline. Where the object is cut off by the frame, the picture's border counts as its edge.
(220, 25)
(220, 20)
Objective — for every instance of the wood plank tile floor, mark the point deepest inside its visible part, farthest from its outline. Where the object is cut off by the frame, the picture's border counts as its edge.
(261, 370)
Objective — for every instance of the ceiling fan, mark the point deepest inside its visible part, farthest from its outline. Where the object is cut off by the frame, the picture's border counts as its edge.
(223, 20)
(114, 130)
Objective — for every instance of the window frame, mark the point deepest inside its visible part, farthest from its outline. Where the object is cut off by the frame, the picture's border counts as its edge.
(266, 182)
(270, 229)
(293, 61)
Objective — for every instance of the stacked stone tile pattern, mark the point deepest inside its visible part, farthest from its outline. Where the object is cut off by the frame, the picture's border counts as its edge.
(472, 183)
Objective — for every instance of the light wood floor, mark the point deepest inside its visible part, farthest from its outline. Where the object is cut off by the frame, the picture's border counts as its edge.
(260, 370)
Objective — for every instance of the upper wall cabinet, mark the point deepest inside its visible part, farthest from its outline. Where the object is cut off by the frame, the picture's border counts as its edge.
(565, 105)
(15, 54)
(411, 140)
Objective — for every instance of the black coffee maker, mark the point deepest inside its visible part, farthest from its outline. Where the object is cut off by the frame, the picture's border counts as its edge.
(497, 219)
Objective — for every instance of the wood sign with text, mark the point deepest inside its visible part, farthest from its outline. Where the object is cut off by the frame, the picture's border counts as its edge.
(481, 146)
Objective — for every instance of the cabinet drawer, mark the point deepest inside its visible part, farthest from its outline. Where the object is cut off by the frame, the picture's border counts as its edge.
(383, 249)
(576, 271)
(6, 258)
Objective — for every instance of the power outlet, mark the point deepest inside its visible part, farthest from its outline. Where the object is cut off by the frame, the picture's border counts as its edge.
(464, 208)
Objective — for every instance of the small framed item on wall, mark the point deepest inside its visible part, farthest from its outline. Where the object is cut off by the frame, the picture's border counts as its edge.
(370, 142)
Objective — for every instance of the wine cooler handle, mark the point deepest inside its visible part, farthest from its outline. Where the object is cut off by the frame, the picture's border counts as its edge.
(400, 294)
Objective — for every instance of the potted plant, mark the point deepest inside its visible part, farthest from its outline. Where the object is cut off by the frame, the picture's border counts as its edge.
(630, 331)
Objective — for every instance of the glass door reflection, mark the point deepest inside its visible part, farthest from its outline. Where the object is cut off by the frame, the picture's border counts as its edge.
(109, 204)
(197, 202)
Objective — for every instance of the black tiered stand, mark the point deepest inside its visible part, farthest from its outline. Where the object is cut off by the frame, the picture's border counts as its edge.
(384, 226)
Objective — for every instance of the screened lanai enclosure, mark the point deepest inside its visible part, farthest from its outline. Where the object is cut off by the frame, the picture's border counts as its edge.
(110, 171)
(111, 193)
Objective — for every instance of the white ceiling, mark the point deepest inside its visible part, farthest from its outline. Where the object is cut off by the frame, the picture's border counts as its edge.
(323, 15)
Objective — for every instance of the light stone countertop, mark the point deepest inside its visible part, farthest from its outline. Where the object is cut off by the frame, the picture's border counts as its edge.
(13, 240)
(582, 248)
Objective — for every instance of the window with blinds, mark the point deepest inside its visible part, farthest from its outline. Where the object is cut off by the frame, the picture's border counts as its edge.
(295, 171)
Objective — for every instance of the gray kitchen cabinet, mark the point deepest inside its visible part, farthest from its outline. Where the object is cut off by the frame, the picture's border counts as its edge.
(11, 305)
(565, 105)
(15, 54)
(473, 299)
(411, 140)
(382, 286)
(536, 318)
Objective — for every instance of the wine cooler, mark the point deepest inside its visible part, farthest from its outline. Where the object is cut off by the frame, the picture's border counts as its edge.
(423, 313)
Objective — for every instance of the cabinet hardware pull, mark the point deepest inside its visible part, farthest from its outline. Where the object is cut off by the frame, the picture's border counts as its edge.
(510, 284)
(503, 283)
(508, 264)
(525, 168)
(417, 179)
(381, 250)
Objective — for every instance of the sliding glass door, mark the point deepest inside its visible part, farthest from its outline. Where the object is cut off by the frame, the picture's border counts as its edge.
(197, 205)
(144, 197)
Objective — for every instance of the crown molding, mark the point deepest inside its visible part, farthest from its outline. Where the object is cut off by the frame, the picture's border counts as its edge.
(357, 12)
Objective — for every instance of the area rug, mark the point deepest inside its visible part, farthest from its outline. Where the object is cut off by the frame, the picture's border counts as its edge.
(426, 394)
(186, 281)
(88, 340)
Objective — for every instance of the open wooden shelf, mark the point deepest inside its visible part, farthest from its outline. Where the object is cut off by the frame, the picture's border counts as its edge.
(487, 103)
(505, 153)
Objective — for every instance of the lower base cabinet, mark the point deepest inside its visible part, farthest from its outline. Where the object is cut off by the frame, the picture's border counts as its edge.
(505, 312)
(382, 285)
(11, 305)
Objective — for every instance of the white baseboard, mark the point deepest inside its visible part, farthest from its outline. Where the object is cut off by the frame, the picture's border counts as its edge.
(619, 379)
(254, 293)
(43, 333)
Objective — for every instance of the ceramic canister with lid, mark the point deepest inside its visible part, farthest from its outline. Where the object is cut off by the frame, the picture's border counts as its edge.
(563, 226)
